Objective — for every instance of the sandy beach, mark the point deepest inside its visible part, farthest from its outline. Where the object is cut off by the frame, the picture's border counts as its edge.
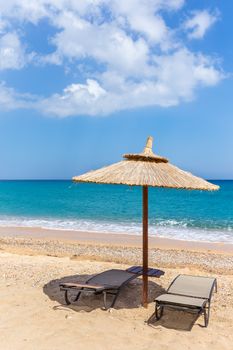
(33, 314)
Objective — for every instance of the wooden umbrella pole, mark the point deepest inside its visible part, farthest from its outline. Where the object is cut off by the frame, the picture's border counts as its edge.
(145, 245)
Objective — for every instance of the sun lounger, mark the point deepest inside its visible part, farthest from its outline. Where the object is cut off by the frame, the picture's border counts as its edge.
(190, 293)
(107, 283)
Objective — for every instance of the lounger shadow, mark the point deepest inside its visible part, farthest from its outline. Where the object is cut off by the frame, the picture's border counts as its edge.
(104, 289)
(174, 319)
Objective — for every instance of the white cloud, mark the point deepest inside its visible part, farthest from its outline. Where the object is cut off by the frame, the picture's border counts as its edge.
(7, 98)
(3, 25)
(12, 54)
(141, 17)
(199, 23)
(106, 43)
(26, 10)
(76, 99)
(11, 99)
(168, 87)
(130, 56)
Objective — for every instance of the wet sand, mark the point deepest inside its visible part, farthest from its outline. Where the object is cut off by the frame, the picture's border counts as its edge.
(115, 239)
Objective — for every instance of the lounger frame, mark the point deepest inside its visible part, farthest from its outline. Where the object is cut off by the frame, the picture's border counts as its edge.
(205, 309)
(106, 291)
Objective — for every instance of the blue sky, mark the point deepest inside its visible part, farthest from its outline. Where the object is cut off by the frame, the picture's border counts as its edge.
(84, 82)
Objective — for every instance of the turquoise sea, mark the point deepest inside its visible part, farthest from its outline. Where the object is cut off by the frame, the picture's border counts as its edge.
(179, 214)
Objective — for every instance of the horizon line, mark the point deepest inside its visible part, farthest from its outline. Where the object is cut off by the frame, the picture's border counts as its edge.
(70, 179)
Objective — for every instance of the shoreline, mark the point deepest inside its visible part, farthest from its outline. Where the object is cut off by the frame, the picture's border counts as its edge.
(115, 239)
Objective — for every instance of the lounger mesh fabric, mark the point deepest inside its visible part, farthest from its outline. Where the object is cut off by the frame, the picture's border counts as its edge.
(112, 278)
(195, 286)
(182, 300)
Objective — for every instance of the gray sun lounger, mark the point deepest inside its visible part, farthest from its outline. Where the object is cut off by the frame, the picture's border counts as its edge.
(107, 283)
(190, 293)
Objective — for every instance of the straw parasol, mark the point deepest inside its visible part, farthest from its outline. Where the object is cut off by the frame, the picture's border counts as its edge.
(146, 169)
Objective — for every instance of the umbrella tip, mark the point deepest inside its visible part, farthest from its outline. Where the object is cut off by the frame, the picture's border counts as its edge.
(148, 147)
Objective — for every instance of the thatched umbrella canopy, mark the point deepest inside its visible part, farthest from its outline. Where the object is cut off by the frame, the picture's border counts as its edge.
(146, 169)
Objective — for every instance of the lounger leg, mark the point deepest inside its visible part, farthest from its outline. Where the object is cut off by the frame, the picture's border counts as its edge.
(78, 296)
(113, 301)
(115, 298)
(207, 315)
(105, 300)
(158, 311)
(68, 302)
(66, 298)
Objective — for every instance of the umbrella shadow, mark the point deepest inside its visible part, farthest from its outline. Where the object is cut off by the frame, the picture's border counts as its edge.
(175, 319)
(129, 296)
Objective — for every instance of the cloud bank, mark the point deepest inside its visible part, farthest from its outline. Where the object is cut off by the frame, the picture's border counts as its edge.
(125, 54)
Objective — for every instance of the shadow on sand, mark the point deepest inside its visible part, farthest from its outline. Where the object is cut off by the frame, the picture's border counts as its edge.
(129, 296)
(175, 319)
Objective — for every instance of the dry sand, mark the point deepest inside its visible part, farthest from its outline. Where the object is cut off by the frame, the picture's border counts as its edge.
(32, 314)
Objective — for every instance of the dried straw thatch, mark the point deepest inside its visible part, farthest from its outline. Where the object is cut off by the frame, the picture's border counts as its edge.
(146, 169)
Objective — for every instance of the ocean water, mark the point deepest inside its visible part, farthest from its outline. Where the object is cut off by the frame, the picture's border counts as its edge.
(178, 214)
